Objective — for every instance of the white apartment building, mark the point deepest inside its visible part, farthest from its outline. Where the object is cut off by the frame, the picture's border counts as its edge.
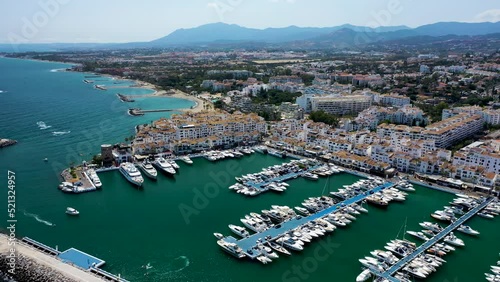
(340, 105)
(479, 154)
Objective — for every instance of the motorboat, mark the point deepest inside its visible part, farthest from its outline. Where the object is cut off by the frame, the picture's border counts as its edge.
(454, 240)
(302, 211)
(263, 259)
(290, 243)
(441, 216)
(231, 248)
(92, 174)
(431, 226)
(419, 235)
(240, 231)
(388, 257)
(130, 172)
(218, 236)
(278, 248)
(310, 176)
(486, 215)
(148, 169)
(364, 275)
(72, 211)
(360, 208)
(467, 230)
(68, 187)
(186, 159)
(173, 164)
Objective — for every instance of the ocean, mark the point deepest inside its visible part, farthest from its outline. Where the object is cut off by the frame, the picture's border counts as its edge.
(170, 223)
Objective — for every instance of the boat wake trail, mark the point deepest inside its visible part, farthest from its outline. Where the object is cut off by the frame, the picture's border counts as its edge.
(42, 125)
(37, 218)
(59, 133)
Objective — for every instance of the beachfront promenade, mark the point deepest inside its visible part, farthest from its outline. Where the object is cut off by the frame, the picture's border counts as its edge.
(401, 263)
(249, 243)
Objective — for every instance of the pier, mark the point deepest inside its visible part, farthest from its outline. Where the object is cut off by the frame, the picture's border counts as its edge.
(140, 112)
(247, 244)
(260, 185)
(422, 248)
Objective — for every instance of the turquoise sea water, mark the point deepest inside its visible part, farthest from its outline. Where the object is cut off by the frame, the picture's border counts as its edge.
(129, 228)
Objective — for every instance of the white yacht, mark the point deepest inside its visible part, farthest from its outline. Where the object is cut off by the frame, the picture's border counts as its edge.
(94, 178)
(363, 276)
(173, 164)
(186, 159)
(131, 173)
(290, 243)
(278, 248)
(231, 248)
(218, 235)
(240, 231)
(419, 235)
(431, 226)
(454, 240)
(311, 176)
(467, 230)
(486, 215)
(148, 169)
(163, 165)
(72, 211)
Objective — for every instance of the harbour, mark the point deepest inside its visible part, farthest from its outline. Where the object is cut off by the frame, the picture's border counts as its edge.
(272, 234)
(188, 251)
(388, 274)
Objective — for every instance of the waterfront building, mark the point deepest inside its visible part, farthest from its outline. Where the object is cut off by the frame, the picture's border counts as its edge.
(194, 132)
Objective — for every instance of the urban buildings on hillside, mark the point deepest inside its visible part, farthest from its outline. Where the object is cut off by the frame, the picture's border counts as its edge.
(192, 132)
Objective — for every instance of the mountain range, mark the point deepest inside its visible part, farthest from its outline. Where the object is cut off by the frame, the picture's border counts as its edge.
(221, 34)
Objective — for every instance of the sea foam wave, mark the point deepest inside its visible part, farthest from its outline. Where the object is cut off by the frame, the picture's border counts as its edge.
(42, 125)
(59, 133)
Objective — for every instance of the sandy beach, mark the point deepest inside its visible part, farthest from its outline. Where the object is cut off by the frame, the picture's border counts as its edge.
(200, 103)
(32, 262)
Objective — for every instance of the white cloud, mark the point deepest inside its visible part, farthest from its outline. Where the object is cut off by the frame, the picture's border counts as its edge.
(492, 15)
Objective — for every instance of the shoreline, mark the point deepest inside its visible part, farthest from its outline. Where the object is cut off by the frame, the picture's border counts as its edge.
(199, 103)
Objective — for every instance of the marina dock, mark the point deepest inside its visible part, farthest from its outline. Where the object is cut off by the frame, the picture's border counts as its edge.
(247, 244)
(261, 185)
(76, 258)
(422, 248)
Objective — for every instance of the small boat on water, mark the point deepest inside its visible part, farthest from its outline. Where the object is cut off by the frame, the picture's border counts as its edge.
(72, 211)
(218, 236)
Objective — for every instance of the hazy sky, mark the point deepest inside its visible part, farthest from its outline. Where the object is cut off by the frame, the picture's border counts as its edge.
(35, 21)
